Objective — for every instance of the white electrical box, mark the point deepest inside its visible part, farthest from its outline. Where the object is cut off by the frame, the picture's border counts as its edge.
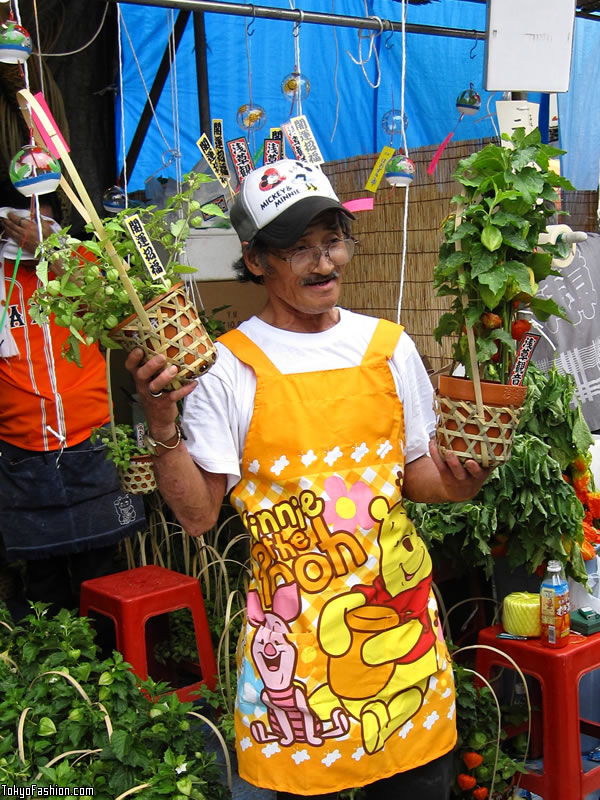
(529, 45)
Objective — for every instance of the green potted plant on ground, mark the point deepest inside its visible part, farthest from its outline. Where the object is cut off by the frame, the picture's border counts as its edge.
(69, 719)
(491, 261)
(104, 291)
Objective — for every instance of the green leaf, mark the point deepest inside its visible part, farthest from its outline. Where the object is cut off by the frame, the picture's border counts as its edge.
(516, 240)
(178, 228)
(481, 259)
(120, 742)
(529, 182)
(544, 308)
(214, 210)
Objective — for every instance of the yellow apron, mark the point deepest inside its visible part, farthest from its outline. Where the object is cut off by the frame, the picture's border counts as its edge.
(344, 677)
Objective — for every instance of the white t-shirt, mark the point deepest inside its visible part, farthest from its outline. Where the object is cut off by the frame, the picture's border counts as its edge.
(217, 414)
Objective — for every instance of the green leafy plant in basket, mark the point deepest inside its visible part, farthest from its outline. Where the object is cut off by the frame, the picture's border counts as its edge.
(526, 511)
(121, 444)
(83, 289)
(491, 260)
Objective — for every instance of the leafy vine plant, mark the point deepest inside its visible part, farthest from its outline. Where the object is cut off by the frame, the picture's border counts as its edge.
(491, 261)
(80, 285)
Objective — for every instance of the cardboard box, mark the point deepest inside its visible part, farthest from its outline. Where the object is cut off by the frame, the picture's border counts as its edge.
(212, 252)
(243, 300)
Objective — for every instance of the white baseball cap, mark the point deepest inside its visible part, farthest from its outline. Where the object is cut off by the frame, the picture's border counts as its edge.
(277, 201)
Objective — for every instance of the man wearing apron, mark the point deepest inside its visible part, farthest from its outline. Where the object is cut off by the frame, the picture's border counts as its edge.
(318, 420)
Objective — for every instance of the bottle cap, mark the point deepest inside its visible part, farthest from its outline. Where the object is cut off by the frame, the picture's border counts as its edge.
(554, 566)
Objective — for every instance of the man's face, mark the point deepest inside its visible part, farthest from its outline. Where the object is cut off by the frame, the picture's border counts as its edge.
(312, 291)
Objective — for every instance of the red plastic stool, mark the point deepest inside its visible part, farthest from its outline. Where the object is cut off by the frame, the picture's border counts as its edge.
(132, 597)
(558, 672)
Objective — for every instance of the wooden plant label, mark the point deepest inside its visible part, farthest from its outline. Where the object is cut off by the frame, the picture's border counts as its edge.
(524, 352)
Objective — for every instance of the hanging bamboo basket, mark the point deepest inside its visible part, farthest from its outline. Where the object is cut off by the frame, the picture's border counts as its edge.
(483, 434)
(139, 477)
(175, 331)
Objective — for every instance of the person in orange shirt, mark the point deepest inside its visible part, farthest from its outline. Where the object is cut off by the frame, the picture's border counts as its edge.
(61, 506)
(319, 420)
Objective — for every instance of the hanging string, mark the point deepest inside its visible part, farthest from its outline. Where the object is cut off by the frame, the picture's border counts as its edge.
(122, 104)
(135, 58)
(371, 36)
(83, 47)
(335, 74)
(403, 77)
(22, 65)
(247, 36)
(39, 45)
(174, 99)
(296, 35)
(297, 96)
(406, 189)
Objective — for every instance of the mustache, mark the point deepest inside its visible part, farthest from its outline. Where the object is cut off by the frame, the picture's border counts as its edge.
(311, 280)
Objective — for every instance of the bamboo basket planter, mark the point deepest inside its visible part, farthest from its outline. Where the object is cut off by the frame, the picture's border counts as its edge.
(139, 476)
(485, 437)
(175, 331)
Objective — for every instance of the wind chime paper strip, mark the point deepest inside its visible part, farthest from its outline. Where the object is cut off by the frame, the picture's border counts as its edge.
(438, 154)
(376, 175)
(219, 201)
(360, 204)
(525, 350)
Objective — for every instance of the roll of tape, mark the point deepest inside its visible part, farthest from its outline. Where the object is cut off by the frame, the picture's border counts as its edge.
(521, 614)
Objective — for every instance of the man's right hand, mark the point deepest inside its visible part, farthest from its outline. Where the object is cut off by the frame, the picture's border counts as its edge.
(194, 495)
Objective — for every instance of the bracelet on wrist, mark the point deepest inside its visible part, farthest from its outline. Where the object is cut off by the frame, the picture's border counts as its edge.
(152, 444)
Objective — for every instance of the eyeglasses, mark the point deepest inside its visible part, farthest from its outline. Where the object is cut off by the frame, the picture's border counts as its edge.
(305, 259)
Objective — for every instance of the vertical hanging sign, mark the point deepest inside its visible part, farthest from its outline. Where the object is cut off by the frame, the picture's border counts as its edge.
(205, 146)
(240, 155)
(277, 133)
(308, 143)
(272, 151)
(290, 132)
(219, 146)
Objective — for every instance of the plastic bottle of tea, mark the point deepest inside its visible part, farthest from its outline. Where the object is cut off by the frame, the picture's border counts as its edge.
(554, 606)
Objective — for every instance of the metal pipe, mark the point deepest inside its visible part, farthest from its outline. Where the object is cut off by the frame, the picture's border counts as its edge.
(313, 17)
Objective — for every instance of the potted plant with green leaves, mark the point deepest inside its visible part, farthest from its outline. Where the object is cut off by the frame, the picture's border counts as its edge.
(69, 718)
(529, 510)
(116, 293)
(126, 449)
(491, 262)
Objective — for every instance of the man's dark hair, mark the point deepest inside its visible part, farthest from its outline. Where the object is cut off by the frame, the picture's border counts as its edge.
(244, 275)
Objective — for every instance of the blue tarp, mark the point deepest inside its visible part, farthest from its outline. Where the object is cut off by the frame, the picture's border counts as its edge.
(344, 106)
